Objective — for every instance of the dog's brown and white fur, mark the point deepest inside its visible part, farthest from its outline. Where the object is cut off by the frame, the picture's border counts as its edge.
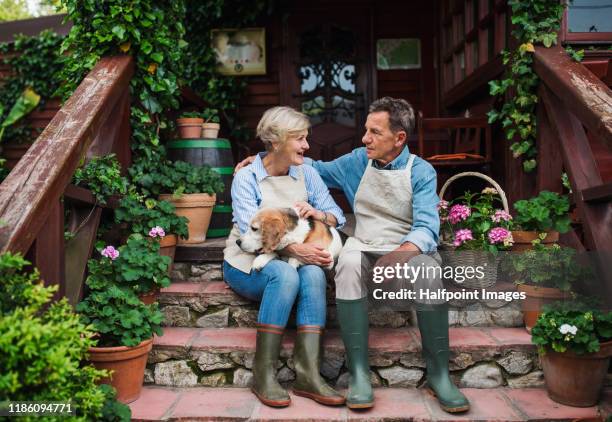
(273, 229)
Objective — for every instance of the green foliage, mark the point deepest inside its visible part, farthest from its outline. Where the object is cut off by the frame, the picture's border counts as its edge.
(534, 22)
(179, 177)
(35, 65)
(139, 265)
(191, 115)
(11, 10)
(141, 216)
(572, 327)
(553, 266)
(210, 115)
(102, 175)
(27, 101)
(42, 345)
(545, 212)
(112, 306)
(114, 411)
(576, 55)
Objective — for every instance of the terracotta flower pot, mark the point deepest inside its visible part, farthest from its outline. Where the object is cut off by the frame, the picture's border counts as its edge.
(197, 207)
(210, 130)
(168, 248)
(128, 365)
(149, 297)
(523, 239)
(576, 380)
(190, 127)
(536, 298)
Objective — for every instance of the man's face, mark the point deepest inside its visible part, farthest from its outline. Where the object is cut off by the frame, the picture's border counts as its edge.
(380, 142)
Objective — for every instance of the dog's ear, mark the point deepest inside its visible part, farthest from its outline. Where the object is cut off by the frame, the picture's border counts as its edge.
(272, 231)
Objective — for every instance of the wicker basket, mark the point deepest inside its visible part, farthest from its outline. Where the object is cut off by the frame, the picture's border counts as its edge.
(472, 258)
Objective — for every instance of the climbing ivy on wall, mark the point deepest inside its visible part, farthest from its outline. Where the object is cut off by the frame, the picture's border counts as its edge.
(534, 22)
(35, 62)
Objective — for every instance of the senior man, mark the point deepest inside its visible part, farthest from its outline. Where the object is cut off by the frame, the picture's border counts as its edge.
(393, 195)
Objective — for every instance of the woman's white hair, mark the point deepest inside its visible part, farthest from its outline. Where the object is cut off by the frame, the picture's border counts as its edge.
(278, 123)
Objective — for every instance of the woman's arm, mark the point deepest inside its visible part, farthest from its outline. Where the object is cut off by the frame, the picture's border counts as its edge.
(320, 199)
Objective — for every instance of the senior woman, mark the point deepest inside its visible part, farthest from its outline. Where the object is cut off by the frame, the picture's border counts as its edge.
(277, 178)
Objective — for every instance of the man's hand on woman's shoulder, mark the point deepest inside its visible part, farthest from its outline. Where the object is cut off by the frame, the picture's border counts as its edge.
(244, 163)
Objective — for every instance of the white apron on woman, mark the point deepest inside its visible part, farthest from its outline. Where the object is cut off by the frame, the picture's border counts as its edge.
(276, 191)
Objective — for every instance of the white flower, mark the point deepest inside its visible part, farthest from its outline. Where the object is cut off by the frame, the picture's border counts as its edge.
(489, 191)
(568, 329)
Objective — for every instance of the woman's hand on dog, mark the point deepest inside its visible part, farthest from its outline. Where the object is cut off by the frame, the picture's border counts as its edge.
(305, 210)
(309, 253)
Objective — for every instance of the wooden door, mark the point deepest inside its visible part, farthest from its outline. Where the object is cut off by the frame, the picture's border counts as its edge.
(325, 72)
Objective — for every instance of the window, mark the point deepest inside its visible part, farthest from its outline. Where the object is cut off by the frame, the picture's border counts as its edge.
(588, 20)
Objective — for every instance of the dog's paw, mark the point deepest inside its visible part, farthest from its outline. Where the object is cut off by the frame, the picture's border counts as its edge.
(294, 262)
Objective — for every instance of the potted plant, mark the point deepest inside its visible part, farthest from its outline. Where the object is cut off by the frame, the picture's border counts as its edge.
(143, 216)
(545, 275)
(192, 190)
(190, 125)
(476, 229)
(546, 213)
(102, 176)
(211, 126)
(575, 345)
(125, 325)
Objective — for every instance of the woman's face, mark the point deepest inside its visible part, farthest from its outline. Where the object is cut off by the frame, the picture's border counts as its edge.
(294, 147)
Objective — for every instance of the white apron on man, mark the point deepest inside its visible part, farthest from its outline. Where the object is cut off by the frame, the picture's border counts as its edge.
(383, 214)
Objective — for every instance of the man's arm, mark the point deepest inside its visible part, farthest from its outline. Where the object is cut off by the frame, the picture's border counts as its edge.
(426, 221)
(334, 172)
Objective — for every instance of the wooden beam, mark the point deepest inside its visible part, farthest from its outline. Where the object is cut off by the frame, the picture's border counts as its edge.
(600, 193)
(550, 160)
(42, 174)
(49, 249)
(583, 93)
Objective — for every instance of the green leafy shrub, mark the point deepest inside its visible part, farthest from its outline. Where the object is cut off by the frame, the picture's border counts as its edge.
(553, 266)
(572, 327)
(545, 212)
(42, 345)
(210, 115)
(140, 266)
(191, 115)
(112, 306)
(102, 176)
(179, 177)
(142, 216)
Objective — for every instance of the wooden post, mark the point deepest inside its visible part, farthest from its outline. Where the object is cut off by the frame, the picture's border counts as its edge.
(49, 249)
(550, 161)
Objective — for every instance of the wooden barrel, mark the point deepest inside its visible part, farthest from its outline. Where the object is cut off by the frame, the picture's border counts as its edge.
(216, 153)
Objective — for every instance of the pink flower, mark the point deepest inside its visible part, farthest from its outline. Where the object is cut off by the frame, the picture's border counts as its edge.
(500, 235)
(462, 236)
(157, 231)
(501, 215)
(442, 205)
(110, 252)
(459, 213)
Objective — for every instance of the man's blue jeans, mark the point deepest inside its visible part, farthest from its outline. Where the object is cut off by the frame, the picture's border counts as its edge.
(277, 286)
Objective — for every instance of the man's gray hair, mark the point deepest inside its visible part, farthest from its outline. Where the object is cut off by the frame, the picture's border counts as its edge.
(401, 113)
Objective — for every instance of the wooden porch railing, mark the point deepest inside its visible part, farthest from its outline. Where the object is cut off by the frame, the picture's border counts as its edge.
(572, 99)
(94, 121)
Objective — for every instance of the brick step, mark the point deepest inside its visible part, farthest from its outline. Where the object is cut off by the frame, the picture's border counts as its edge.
(480, 357)
(391, 404)
(195, 301)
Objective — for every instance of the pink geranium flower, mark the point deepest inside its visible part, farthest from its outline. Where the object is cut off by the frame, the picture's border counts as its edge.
(501, 215)
(500, 235)
(462, 236)
(442, 205)
(157, 231)
(459, 213)
(110, 252)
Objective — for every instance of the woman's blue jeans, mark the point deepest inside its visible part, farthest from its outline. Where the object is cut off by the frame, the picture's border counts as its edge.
(278, 286)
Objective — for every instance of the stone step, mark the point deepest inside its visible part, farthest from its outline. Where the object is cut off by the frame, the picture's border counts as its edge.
(480, 357)
(200, 299)
(391, 404)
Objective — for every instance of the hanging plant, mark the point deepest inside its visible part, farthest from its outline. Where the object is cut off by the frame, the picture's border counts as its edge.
(535, 22)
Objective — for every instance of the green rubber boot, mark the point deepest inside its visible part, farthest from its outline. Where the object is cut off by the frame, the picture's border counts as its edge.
(433, 325)
(265, 386)
(307, 361)
(353, 318)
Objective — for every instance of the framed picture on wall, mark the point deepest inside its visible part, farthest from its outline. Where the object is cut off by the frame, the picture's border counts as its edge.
(398, 53)
(240, 51)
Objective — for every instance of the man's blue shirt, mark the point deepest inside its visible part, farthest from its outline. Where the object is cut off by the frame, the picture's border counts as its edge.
(345, 173)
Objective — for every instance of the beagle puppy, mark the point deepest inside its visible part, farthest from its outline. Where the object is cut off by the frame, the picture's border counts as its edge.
(273, 229)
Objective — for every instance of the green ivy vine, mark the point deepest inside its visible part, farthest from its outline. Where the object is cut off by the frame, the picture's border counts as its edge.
(534, 22)
(35, 63)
